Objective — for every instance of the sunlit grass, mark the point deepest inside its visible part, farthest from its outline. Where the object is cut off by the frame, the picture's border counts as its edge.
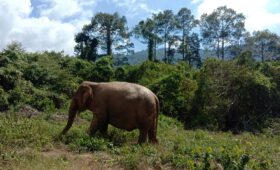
(24, 143)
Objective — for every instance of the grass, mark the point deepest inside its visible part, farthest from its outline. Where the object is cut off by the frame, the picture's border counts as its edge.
(34, 144)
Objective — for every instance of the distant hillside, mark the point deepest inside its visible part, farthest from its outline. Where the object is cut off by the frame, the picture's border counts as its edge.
(141, 56)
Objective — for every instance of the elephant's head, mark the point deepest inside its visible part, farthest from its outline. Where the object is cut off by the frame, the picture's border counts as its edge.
(81, 101)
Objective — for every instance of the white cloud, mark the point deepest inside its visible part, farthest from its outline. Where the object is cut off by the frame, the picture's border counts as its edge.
(38, 34)
(257, 12)
(135, 8)
(59, 10)
(48, 31)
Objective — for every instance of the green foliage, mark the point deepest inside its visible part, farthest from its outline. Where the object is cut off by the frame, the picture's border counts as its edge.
(86, 46)
(4, 104)
(9, 77)
(102, 71)
(222, 95)
(41, 102)
(20, 132)
(35, 79)
(246, 59)
(230, 96)
(36, 74)
(175, 93)
(76, 67)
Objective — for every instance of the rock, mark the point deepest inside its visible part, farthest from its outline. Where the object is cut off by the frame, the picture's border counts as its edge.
(59, 117)
(28, 111)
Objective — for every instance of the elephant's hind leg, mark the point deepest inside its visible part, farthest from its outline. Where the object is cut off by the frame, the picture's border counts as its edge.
(143, 135)
(152, 136)
(152, 133)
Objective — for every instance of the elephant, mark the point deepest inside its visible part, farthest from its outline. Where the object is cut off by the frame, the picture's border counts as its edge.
(123, 105)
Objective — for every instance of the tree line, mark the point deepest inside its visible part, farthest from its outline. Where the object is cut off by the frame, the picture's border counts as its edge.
(222, 32)
(238, 94)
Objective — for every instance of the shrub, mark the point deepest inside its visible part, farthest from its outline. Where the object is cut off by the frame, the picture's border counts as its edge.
(37, 75)
(75, 66)
(230, 97)
(4, 104)
(175, 93)
(9, 76)
(102, 71)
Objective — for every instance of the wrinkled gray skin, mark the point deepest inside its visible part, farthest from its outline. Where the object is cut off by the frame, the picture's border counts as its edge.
(124, 105)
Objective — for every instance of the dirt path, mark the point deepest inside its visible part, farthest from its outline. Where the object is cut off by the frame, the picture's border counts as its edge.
(76, 161)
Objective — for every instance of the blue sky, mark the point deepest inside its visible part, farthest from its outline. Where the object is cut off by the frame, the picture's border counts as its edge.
(51, 24)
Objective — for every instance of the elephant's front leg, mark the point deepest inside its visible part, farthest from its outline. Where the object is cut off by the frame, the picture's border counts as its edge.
(98, 122)
(93, 127)
(104, 129)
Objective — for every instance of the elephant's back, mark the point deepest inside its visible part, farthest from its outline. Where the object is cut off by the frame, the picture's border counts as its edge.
(126, 94)
(131, 90)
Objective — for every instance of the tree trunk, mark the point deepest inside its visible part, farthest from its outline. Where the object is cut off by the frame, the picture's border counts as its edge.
(109, 42)
(183, 45)
(262, 52)
(155, 50)
(223, 49)
(165, 50)
(218, 49)
(150, 49)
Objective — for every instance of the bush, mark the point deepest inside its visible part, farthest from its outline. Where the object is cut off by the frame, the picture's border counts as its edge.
(41, 102)
(102, 71)
(9, 76)
(77, 67)
(175, 93)
(4, 104)
(120, 74)
(230, 97)
(37, 75)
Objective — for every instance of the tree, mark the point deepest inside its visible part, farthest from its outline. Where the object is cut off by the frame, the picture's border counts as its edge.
(222, 28)
(109, 31)
(264, 44)
(171, 43)
(191, 49)
(186, 23)
(86, 46)
(166, 25)
(145, 30)
(194, 50)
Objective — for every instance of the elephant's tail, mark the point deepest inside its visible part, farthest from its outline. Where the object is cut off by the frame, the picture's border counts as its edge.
(72, 114)
(157, 114)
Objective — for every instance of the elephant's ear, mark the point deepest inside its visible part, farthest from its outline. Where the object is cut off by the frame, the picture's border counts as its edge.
(84, 97)
(87, 96)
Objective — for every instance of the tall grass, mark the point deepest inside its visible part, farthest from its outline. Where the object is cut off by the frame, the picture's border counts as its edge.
(177, 148)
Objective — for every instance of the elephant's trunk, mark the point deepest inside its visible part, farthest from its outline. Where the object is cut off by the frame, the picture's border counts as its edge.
(72, 114)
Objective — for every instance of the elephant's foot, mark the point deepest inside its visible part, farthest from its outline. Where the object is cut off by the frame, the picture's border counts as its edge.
(104, 130)
(152, 136)
(143, 136)
(153, 141)
(91, 132)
